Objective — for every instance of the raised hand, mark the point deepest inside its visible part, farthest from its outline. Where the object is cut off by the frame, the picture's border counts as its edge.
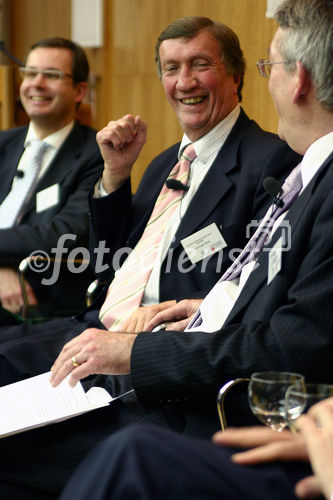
(120, 143)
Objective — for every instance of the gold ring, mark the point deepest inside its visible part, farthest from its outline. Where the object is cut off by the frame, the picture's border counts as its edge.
(74, 362)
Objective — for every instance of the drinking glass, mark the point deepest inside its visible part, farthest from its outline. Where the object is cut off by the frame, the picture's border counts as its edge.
(299, 400)
(266, 395)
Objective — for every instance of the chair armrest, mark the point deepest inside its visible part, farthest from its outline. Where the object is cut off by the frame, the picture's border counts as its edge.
(221, 399)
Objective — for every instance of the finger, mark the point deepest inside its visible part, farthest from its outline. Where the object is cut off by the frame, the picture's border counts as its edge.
(308, 487)
(270, 452)
(178, 326)
(170, 314)
(63, 371)
(70, 349)
(246, 437)
(117, 133)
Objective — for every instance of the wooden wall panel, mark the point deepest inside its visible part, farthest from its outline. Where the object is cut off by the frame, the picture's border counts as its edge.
(125, 79)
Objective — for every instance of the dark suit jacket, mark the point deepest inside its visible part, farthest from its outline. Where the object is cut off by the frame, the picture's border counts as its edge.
(286, 325)
(231, 195)
(75, 167)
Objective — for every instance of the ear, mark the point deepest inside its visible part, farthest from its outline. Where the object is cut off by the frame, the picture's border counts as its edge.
(303, 83)
(81, 90)
(237, 80)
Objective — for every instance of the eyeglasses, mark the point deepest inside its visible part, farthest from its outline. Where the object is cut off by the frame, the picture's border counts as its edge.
(48, 74)
(265, 66)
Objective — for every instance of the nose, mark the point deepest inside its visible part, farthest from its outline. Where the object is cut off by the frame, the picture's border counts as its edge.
(186, 79)
(39, 79)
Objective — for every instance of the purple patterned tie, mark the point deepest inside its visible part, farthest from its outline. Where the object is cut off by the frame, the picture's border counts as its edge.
(289, 192)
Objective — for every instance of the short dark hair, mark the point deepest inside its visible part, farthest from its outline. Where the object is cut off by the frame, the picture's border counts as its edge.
(190, 26)
(80, 65)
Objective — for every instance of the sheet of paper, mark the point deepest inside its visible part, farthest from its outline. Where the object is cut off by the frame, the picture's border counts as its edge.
(34, 402)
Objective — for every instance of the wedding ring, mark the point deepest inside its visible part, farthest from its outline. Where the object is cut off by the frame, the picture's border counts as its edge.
(74, 362)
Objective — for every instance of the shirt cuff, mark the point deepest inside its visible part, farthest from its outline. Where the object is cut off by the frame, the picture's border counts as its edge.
(99, 191)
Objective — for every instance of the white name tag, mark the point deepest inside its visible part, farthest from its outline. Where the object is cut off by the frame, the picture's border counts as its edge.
(203, 243)
(47, 198)
(274, 260)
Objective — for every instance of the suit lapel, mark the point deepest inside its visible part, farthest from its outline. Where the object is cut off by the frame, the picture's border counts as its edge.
(216, 183)
(259, 275)
(9, 161)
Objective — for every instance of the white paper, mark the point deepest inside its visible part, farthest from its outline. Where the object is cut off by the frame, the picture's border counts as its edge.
(34, 402)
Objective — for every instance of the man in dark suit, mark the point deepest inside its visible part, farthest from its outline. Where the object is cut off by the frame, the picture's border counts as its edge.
(285, 324)
(53, 86)
(204, 92)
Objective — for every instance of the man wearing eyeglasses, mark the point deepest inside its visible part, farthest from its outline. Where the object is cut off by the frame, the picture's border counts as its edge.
(44, 197)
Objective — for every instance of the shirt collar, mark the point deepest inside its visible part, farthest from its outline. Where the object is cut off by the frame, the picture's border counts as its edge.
(54, 140)
(208, 145)
(315, 156)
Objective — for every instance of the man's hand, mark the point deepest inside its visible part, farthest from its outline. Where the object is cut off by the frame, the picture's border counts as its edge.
(120, 143)
(178, 315)
(140, 319)
(96, 352)
(266, 445)
(10, 291)
(316, 428)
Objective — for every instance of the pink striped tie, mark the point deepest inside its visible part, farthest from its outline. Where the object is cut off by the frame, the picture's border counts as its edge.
(126, 290)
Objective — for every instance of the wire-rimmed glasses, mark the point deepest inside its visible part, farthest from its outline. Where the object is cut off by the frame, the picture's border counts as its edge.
(49, 74)
(265, 65)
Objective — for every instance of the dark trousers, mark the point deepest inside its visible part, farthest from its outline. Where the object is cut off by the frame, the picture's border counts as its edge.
(147, 463)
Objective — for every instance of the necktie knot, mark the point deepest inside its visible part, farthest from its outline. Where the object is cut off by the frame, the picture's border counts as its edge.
(189, 153)
(37, 147)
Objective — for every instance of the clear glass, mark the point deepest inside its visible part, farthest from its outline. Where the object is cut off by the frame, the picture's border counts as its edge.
(266, 395)
(299, 400)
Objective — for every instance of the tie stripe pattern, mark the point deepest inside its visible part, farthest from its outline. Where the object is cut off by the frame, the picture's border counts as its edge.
(127, 288)
(289, 192)
(22, 190)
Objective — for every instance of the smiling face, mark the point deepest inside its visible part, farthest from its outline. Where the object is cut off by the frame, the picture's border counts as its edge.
(196, 83)
(50, 104)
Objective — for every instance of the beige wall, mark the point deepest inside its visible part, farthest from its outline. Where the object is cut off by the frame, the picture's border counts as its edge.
(126, 80)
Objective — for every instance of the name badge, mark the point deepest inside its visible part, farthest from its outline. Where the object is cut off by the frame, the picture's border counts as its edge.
(203, 243)
(274, 260)
(47, 198)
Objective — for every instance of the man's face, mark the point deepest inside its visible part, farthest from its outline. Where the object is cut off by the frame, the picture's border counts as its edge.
(281, 86)
(49, 102)
(196, 83)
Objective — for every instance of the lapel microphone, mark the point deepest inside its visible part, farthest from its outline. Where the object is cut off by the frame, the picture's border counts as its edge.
(19, 174)
(176, 185)
(273, 188)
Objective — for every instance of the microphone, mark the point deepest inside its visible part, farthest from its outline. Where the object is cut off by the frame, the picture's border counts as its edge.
(19, 174)
(273, 188)
(176, 185)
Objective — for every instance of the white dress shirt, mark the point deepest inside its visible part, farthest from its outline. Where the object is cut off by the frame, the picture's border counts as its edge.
(206, 148)
(218, 303)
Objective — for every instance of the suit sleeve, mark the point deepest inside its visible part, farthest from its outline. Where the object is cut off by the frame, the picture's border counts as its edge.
(288, 326)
